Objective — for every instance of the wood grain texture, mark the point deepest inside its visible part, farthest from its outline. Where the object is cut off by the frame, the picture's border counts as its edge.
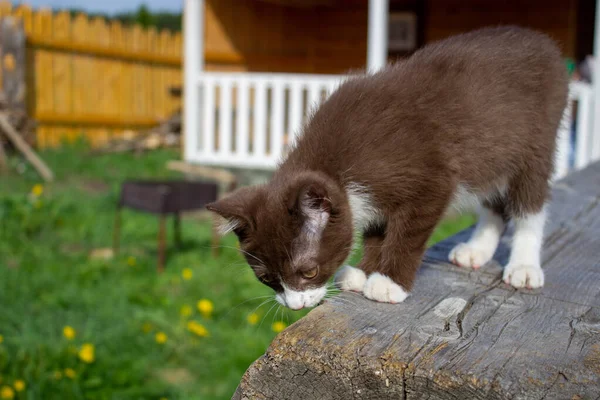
(462, 334)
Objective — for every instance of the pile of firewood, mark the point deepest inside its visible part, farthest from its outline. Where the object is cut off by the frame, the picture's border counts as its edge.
(166, 134)
(17, 134)
(19, 120)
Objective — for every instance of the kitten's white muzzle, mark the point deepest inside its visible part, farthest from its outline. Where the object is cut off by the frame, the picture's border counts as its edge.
(298, 300)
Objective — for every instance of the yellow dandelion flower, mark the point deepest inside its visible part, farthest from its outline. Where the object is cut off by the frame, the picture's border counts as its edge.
(1, 338)
(253, 319)
(205, 307)
(185, 310)
(19, 385)
(278, 326)
(161, 338)
(197, 329)
(57, 375)
(70, 373)
(131, 261)
(37, 190)
(7, 392)
(187, 274)
(147, 327)
(86, 353)
(69, 332)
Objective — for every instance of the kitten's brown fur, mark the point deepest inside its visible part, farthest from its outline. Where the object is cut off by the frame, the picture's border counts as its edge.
(474, 110)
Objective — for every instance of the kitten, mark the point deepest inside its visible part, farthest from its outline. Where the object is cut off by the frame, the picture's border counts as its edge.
(474, 116)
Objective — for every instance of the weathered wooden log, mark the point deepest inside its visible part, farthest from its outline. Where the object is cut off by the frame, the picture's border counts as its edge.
(462, 334)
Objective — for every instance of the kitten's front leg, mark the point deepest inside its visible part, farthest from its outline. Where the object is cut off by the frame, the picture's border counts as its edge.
(353, 279)
(401, 252)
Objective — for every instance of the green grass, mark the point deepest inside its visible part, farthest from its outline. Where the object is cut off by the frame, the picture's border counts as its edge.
(48, 281)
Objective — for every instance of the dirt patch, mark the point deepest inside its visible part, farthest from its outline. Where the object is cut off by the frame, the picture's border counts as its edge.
(175, 376)
(94, 186)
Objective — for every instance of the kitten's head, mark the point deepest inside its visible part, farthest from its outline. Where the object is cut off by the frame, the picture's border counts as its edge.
(294, 233)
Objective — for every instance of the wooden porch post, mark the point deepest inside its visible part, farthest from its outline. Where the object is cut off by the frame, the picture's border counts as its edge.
(193, 65)
(377, 39)
(596, 87)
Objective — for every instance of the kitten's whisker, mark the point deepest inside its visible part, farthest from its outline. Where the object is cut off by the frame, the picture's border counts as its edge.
(244, 302)
(265, 317)
(237, 249)
(261, 304)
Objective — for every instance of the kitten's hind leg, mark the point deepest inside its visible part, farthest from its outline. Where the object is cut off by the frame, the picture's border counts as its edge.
(526, 197)
(480, 249)
(524, 266)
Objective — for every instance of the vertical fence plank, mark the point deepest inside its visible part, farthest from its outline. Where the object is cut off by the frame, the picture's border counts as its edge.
(61, 75)
(260, 119)
(161, 75)
(24, 12)
(5, 8)
(96, 99)
(242, 118)
(138, 94)
(115, 88)
(177, 76)
(42, 26)
(154, 90)
(80, 72)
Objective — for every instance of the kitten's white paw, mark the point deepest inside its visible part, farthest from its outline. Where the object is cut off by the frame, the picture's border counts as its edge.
(520, 276)
(381, 288)
(471, 255)
(350, 279)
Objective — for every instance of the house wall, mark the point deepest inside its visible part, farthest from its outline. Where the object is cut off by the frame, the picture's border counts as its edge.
(252, 35)
(558, 18)
(258, 35)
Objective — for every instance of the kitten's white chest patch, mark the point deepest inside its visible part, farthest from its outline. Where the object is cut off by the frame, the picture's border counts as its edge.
(463, 201)
(364, 212)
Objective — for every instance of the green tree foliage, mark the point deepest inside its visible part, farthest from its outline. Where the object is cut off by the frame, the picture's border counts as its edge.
(144, 17)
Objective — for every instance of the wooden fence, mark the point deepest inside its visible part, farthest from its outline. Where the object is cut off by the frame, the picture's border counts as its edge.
(95, 78)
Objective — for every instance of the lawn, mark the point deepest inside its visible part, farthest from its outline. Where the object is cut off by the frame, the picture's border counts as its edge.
(75, 327)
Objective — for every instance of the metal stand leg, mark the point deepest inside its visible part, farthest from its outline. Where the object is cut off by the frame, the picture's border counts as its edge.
(117, 232)
(177, 229)
(161, 243)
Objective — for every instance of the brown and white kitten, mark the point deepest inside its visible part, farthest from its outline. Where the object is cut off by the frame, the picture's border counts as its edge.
(472, 117)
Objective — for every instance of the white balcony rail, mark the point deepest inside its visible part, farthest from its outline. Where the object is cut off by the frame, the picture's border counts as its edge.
(577, 146)
(249, 120)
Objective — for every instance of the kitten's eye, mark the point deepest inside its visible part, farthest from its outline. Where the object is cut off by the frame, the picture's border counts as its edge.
(310, 274)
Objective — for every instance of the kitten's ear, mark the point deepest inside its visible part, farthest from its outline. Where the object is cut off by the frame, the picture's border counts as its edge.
(314, 196)
(236, 210)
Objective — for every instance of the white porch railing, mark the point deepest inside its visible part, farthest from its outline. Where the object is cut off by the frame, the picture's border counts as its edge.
(577, 147)
(248, 120)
